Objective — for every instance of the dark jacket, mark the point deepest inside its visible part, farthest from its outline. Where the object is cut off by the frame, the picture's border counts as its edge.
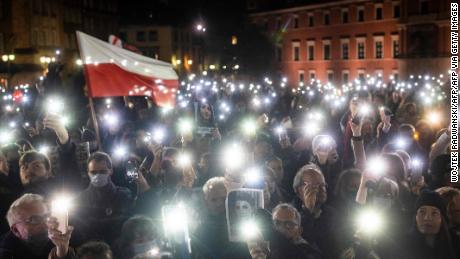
(320, 231)
(8, 193)
(281, 248)
(12, 247)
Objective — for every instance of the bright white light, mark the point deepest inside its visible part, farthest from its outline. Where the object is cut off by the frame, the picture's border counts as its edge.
(44, 149)
(370, 222)
(54, 106)
(111, 119)
(311, 128)
(158, 135)
(65, 120)
(12, 124)
(234, 156)
(249, 127)
(5, 137)
(184, 159)
(365, 109)
(249, 229)
(401, 143)
(120, 151)
(279, 130)
(253, 175)
(185, 126)
(434, 117)
(79, 62)
(376, 165)
(175, 219)
(154, 251)
(62, 204)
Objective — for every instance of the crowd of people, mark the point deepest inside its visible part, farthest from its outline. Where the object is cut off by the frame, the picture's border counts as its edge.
(367, 176)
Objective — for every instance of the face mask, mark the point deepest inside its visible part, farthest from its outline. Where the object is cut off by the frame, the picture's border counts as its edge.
(384, 203)
(37, 243)
(144, 247)
(99, 180)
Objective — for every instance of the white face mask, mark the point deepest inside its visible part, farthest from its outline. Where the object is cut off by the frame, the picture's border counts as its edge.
(99, 180)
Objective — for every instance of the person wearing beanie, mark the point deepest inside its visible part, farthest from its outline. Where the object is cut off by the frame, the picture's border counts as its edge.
(429, 238)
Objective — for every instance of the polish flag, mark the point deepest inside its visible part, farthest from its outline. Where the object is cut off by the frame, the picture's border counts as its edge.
(113, 71)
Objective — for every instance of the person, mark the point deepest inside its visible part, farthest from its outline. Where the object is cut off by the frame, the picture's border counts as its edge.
(94, 250)
(287, 240)
(210, 239)
(103, 205)
(30, 235)
(138, 237)
(325, 156)
(318, 219)
(8, 192)
(429, 237)
(451, 197)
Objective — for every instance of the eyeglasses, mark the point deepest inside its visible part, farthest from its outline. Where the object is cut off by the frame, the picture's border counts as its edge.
(289, 224)
(309, 185)
(35, 219)
(93, 172)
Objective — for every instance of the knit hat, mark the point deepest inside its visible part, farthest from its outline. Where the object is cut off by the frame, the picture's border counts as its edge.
(430, 198)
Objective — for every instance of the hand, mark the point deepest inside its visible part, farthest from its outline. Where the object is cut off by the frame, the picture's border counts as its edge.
(155, 148)
(310, 197)
(262, 120)
(54, 122)
(356, 128)
(216, 134)
(258, 249)
(285, 142)
(60, 240)
(385, 119)
(32, 132)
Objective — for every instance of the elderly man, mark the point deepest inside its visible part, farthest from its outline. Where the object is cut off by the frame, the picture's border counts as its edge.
(103, 205)
(287, 242)
(30, 235)
(318, 219)
(211, 238)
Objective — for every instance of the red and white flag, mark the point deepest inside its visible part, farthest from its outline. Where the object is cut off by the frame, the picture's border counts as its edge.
(113, 71)
(114, 40)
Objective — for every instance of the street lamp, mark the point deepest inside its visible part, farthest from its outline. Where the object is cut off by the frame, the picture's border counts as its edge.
(8, 58)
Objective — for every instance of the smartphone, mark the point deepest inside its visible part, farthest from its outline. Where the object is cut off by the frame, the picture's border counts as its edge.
(357, 119)
(132, 170)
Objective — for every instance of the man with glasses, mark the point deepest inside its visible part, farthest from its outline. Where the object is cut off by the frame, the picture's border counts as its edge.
(32, 233)
(287, 241)
(318, 219)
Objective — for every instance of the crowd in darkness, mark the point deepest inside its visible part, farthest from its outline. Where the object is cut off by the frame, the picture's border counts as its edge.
(375, 153)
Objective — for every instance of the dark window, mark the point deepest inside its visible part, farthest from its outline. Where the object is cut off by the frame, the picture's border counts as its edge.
(360, 15)
(312, 75)
(396, 11)
(378, 49)
(327, 52)
(37, 7)
(296, 53)
(301, 77)
(361, 76)
(140, 36)
(395, 48)
(345, 78)
(1, 9)
(296, 22)
(330, 76)
(153, 35)
(279, 53)
(311, 20)
(424, 7)
(278, 24)
(345, 17)
(378, 13)
(345, 50)
(361, 50)
(326, 19)
(311, 52)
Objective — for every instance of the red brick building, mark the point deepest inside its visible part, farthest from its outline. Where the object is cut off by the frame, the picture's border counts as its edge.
(338, 41)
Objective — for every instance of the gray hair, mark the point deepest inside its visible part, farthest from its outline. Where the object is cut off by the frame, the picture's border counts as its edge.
(215, 182)
(289, 207)
(28, 198)
(308, 168)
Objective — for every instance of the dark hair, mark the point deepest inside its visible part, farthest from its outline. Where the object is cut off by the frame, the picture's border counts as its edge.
(101, 157)
(31, 156)
(94, 249)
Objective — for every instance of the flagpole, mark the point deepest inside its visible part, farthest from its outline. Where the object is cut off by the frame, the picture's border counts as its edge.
(95, 124)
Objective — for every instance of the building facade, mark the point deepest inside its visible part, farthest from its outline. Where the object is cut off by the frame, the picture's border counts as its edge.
(337, 41)
(167, 43)
(38, 32)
